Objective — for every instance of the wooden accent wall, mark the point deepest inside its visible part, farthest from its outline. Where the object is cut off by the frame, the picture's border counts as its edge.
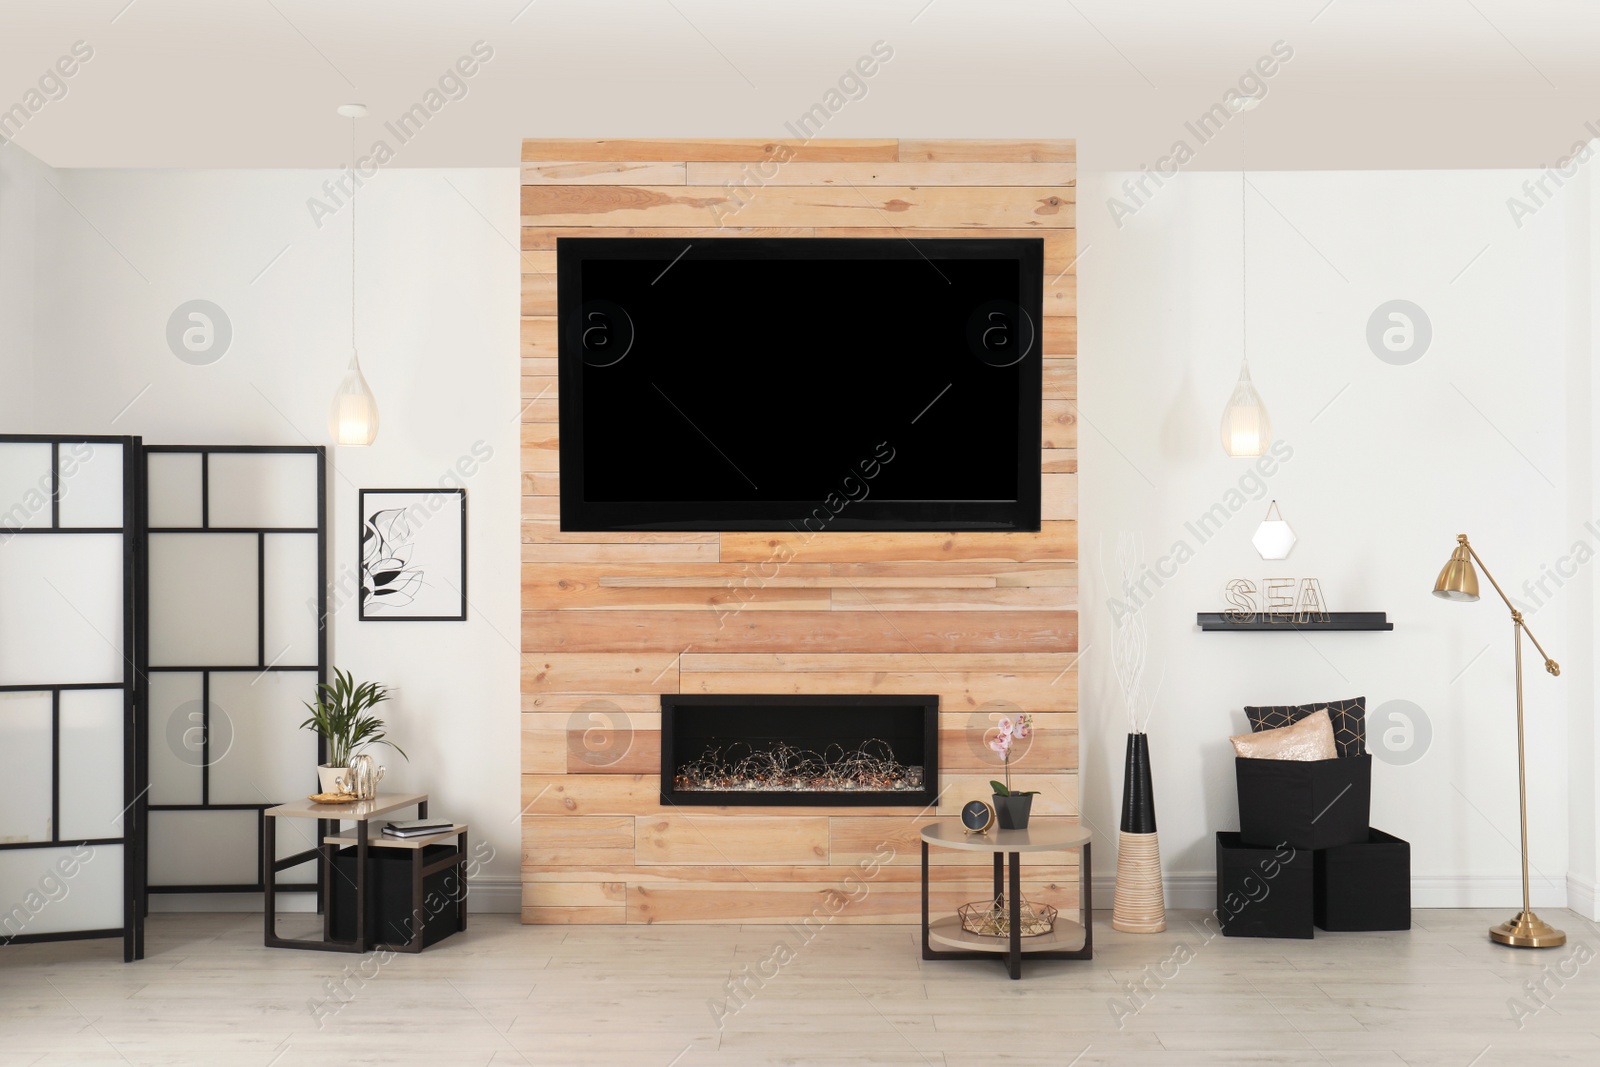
(988, 621)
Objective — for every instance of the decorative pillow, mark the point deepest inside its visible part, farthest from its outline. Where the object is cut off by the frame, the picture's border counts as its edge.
(1349, 721)
(1309, 739)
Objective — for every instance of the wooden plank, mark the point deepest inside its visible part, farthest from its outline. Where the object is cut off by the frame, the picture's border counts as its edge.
(544, 744)
(576, 840)
(597, 553)
(860, 900)
(540, 388)
(703, 206)
(716, 150)
(574, 916)
(597, 738)
(556, 587)
(542, 508)
(992, 151)
(1052, 866)
(541, 261)
(574, 894)
(551, 533)
(541, 483)
(870, 838)
(621, 672)
(1060, 423)
(786, 581)
(545, 238)
(805, 631)
(890, 869)
(1058, 496)
(1059, 338)
(637, 707)
(731, 839)
(1061, 381)
(1052, 748)
(544, 409)
(1058, 793)
(1054, 541)
(539, 336)
(956, 690)
(1004, 574)
(981, 174)
(605, 172)
(834, 662)
(1041, 598)
(1060, 461)
(538, 294)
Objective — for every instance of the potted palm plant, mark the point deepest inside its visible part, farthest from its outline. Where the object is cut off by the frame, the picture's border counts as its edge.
(342, 715)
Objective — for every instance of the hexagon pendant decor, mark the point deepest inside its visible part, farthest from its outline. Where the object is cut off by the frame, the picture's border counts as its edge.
(1273, 538)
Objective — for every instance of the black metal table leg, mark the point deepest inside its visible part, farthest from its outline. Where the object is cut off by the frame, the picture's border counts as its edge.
(927, 948)
(1016, 915)
(361, 886)
(461, 882)
(1086, 888)
(269, 853)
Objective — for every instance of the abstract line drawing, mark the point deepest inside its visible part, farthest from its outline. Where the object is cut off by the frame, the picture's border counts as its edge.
(413, 555)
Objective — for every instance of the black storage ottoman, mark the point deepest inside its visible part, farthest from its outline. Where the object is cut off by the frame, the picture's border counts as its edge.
(1364, 886)
(389, 920)
(1304, 804)
(1263, 892)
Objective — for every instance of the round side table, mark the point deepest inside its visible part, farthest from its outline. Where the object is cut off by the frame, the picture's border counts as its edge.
(1067, 941)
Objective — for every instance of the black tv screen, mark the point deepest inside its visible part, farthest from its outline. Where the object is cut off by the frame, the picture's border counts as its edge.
(806, 384)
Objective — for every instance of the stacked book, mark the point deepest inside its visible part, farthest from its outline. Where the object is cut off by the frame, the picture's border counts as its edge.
(417, 828)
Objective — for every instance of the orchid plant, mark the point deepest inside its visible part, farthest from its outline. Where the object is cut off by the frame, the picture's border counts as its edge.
(1011, 731)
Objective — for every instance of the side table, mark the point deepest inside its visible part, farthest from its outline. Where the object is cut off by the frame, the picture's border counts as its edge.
(1067, 941)
(360, 812)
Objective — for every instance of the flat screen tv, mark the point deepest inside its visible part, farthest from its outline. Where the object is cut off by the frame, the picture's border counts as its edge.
(804, 384)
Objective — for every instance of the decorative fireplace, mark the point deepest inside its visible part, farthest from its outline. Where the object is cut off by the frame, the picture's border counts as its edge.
(799, 750)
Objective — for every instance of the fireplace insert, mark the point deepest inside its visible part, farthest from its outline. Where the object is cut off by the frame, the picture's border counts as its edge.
(736, 749)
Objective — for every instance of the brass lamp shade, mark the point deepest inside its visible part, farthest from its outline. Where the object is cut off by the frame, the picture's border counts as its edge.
(1458, 580)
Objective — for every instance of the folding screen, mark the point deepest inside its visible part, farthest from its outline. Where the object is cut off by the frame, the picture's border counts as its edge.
(70, 551)
(238, 640)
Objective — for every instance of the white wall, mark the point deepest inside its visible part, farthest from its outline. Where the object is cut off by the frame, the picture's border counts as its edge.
(1388, 464)
(23, 194)
(437, 317)
(1485, 434)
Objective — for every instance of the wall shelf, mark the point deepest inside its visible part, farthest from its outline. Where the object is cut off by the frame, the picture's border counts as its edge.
(1218, 622)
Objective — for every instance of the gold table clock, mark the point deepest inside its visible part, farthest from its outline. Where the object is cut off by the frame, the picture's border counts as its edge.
(977, 816)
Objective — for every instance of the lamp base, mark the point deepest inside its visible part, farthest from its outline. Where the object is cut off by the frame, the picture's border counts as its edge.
(1527, 930)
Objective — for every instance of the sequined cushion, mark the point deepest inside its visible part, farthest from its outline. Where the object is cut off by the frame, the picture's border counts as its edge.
(1309, 739)
(1349, 719)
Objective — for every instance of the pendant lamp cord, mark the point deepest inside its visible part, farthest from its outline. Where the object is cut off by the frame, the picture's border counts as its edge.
(1244, 292)
(352, 235)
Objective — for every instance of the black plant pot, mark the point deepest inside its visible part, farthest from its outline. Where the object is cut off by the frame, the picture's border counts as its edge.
(1138, 793)
(1012, 811)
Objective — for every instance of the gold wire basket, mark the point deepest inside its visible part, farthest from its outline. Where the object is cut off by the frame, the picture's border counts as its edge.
(992, 918)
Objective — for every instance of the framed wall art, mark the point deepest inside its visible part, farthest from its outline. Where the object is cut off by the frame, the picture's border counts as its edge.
(413, 555)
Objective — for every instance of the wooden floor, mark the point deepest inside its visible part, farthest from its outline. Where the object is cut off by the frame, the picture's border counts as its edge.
(618, 996)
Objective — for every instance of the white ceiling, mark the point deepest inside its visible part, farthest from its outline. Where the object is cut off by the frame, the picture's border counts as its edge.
(254, 83)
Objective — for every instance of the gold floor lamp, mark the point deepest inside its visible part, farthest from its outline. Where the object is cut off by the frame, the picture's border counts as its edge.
(1458, 581)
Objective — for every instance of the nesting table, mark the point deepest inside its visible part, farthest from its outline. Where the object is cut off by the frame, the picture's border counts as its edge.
(331, 838)
(1067, 941)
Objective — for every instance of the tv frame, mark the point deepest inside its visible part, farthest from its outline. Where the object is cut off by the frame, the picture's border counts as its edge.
(579, 515)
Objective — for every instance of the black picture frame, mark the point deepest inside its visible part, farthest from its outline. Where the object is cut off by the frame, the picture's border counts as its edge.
(456, 570)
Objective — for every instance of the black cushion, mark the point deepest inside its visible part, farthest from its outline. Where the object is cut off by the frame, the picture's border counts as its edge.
(1349, 721)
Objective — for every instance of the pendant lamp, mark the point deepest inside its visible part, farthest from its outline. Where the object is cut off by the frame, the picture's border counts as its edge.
(1246, 429)
(353, 418)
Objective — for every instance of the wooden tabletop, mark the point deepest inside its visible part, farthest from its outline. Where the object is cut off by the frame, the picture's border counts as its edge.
(355, 811)
(1040, 838)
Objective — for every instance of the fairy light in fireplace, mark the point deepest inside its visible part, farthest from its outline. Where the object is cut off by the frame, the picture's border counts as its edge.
(871, 768)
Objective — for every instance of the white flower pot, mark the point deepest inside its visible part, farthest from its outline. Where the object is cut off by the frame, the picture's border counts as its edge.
(332, 779)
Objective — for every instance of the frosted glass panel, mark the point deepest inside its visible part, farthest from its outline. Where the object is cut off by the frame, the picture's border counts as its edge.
(25, 485)
(51, 891)
(61, 609)
(172, 481)
(203, 847)
(271, 759)
(203, 599)
(291, 599)
(24, 768)
(176, 738)
(263, 489)
(91, 764)
(91, 484)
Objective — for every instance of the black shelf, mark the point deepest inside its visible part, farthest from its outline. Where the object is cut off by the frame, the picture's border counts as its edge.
(1218, 622)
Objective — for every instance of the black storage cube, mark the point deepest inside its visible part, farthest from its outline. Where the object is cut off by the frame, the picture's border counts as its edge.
(1365, 886)
(389, 896)
(1308, 804)
(1263, 892)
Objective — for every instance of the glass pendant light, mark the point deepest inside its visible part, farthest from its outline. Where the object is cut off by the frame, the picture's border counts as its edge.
(353, 419)
(1246, 430)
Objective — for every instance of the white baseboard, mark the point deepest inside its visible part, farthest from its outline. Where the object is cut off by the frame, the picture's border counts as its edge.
(485, 894)
(1199, 891)
(1581, 897)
